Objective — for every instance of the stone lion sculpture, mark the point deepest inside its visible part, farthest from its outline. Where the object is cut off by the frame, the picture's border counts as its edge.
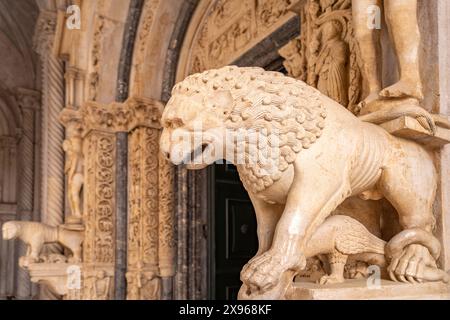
(310, 155)
(35, 235)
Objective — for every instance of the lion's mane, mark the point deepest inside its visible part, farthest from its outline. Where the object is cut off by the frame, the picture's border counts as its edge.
(269, 103)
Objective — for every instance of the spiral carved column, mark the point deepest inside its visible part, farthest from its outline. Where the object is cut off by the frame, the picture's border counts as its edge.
(52, 158)
(29, 102)
(52, 135)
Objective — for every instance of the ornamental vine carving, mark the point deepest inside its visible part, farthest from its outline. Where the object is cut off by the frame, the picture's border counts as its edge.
(99, 198)
(121, 117)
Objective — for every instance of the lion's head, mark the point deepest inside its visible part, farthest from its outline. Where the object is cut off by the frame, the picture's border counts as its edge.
(10, 230)
(257, 119)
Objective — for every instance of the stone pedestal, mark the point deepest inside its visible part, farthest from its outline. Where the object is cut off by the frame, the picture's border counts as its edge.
(359, 290)
(75, 281)
(409, 128)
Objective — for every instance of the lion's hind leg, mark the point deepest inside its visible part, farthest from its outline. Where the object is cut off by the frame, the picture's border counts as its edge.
(411, 190)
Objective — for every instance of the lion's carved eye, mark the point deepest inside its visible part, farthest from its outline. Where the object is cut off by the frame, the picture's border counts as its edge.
(174, 123)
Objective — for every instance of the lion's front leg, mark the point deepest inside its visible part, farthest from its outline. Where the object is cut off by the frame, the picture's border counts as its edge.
(267, 216)
(311, 199)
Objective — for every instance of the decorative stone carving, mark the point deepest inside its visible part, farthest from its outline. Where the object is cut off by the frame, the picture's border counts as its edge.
(74, 168)
(98, 284)
(142, 40)
(151, 241)
(121, 117)
(341, 236)
(326, 54)
(151, 246)
(35, 235)
(97, 47)
(143, 284)
(230, 28)
(314, 144)
(144, 221)
(45, 32)
(99, 200)
(166, 238)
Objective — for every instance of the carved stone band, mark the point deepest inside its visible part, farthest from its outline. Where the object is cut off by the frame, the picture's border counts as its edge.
(115, 117)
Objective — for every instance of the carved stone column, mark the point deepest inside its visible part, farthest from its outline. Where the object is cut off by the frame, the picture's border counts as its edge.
(29, 102)
(150, 224)
(151, 245)
(52, 135)
(443, 48)
(52, 159)
(99, 148)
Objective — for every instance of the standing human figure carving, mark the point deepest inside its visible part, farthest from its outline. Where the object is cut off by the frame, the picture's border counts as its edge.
(74, 170)
(401, 19)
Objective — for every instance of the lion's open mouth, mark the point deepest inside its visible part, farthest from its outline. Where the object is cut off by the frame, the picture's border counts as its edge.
(196, 156)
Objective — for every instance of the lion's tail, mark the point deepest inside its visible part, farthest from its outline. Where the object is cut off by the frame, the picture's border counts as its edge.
(413, 236)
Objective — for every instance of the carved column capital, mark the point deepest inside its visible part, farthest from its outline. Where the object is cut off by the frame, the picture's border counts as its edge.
(145, 112)
(121, 117)
(45, 32)
(72, 120)
(28, 99)
(111, 118)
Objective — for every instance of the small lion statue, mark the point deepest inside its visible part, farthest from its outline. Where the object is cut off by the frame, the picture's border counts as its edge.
(300, 155)
(35, 235)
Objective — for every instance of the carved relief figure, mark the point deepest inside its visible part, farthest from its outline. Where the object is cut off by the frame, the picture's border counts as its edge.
(332, 63)
(74, 166)
(35, 235)
(326, 55)
(143, 284)
(324, 155)
(294, 62)
(401, 19)
(74, 169)
(98, 286)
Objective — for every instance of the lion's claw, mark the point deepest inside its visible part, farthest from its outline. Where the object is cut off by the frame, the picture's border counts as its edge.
(409, 266)
(264, 271)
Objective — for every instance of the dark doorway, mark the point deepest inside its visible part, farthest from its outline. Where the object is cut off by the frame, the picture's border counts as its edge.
(235, 240)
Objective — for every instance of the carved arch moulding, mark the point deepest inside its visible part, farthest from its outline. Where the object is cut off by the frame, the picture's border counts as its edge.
(222, 31)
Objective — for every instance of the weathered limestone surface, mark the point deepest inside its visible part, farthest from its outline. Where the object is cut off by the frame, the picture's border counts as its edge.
(395, 78)
(322, 149)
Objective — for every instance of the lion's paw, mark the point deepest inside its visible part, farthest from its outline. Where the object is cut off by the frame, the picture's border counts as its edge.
(26, 261)
(264, 271)
(331, 279)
